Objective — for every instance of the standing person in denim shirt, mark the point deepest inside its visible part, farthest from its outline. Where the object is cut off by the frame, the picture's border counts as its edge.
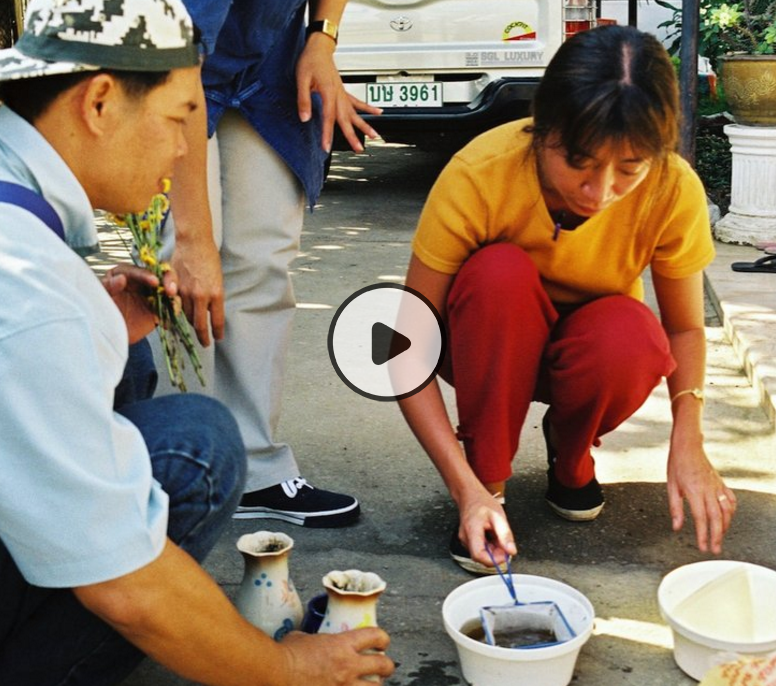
(107, 503)
(273, 94)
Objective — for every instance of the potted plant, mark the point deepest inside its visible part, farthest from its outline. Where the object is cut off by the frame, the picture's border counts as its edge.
(739, 40)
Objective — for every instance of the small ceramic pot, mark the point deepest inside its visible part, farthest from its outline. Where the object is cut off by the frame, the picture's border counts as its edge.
(267, 597)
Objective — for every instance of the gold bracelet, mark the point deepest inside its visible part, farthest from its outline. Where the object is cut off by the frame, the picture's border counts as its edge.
(695, 392)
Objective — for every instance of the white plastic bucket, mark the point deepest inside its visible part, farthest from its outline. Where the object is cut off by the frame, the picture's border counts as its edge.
(717, 610)
(486, 665)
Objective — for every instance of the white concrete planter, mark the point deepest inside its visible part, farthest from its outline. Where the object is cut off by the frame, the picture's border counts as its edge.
(752, 214)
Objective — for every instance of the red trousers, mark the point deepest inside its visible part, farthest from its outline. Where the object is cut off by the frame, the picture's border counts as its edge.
(508, 345)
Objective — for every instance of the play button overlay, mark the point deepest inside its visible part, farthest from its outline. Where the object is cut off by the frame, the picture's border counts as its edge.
(386, 341)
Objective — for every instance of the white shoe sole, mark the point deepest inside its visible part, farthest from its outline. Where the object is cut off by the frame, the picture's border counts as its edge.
(326, 519)
(576, 515)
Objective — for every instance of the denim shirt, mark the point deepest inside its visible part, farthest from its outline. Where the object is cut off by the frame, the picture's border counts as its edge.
(252, 47)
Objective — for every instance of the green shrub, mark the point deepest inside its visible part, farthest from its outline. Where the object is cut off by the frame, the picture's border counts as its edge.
(748, 26)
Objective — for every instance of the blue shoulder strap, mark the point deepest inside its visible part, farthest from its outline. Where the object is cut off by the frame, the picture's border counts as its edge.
(31, 201)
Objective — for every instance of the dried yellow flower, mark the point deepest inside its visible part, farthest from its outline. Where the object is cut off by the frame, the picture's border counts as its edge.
(147, 256)
(172, 325)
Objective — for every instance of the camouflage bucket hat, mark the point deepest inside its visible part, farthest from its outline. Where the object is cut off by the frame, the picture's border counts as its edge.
(66, 36)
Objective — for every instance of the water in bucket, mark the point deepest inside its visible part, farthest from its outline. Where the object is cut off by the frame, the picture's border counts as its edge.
(523, 626)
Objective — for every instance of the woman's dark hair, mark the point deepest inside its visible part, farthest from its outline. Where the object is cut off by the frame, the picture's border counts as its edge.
(609, 84)
(30, 98)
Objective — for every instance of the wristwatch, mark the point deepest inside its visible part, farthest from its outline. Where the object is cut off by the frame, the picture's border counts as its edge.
(324, 26)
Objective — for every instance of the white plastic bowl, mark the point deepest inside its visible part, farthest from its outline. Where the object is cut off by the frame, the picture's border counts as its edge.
(486, 665)
(717, 610)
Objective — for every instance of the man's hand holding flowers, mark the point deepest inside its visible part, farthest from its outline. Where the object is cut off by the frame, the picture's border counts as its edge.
(130, 288)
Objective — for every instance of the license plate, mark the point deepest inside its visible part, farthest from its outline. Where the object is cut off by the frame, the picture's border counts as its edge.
(404, 94)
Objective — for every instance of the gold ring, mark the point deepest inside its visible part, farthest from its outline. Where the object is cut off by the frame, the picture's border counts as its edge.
(722, 498)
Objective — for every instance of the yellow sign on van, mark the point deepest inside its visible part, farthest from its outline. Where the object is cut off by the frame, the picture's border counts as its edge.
(518, 30)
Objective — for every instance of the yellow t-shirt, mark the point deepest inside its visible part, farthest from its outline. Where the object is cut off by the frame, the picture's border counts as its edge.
(489, 193)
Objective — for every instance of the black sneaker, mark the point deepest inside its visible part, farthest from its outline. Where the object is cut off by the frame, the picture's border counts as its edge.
(461, 556)
(574, 504)
(297, 502)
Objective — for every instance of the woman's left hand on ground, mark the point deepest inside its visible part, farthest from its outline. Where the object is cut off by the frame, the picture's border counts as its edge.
(712, 504)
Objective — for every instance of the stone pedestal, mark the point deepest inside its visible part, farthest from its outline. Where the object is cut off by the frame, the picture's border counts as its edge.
(752, 215)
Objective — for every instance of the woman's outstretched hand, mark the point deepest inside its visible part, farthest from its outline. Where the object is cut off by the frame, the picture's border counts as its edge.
(712, 504)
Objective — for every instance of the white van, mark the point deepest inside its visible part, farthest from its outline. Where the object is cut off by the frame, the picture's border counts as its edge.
(446, 70)
(449, 69)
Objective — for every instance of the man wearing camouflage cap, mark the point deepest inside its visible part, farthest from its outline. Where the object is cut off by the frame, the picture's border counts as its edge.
(108, 498)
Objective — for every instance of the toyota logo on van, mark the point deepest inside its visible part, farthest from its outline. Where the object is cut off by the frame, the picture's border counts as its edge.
(401, 23)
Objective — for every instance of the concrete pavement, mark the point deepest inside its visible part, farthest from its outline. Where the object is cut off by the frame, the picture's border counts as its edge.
(347, 442)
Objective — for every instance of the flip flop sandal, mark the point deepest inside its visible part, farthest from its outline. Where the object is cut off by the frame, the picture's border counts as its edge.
(765, 264)
(765, 245)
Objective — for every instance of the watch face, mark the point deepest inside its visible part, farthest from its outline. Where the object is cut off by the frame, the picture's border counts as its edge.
(325, 26)
(330, 28)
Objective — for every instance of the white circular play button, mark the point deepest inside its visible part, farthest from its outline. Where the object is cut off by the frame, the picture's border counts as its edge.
(386, 341)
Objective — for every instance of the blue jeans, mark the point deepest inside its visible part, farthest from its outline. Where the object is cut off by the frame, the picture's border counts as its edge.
(47, 638)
